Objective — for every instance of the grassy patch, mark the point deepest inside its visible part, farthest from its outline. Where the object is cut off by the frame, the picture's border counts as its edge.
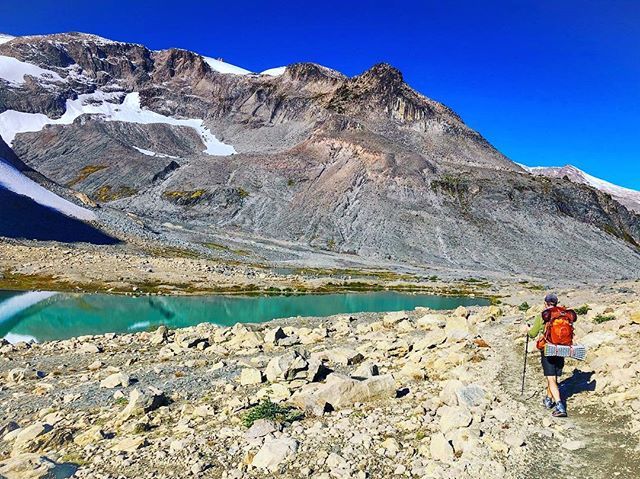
(603, 318)
(71, 458)
(173, 252)
(221, 247)
(270, 410)
(524, 306)
(184, 195)
(84, 173)
(582, 310)
(106, 193)
(449, 183)
(535, 287)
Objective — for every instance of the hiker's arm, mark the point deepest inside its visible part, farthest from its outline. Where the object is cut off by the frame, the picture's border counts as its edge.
(537, 327)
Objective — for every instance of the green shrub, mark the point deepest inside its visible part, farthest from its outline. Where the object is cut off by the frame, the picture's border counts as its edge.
(524, 306)
(582, 310)
(603, 318)
(270, 410)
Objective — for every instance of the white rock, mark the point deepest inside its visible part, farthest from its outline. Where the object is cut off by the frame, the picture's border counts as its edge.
(440, 448)
(115, 380)
(130, 444)
(249, 376)
(274, 452)
(26, 466)
(393, 318)
(574, 445)
(453, 417)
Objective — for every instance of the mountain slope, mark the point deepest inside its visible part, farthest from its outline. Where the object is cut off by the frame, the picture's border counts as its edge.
(363, 165)
(626, 196)
(31, 211)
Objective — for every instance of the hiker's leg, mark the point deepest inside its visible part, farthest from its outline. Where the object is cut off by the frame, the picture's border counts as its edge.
(552, 388)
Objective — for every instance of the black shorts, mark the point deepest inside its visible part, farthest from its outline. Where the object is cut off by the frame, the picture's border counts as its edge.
(552, 365)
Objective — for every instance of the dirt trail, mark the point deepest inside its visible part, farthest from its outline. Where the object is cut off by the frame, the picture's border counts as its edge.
(610, 450)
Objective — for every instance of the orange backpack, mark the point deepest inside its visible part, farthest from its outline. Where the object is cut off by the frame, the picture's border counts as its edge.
(558, 327)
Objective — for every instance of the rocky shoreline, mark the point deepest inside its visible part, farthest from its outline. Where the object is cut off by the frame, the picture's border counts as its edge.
(409, 394)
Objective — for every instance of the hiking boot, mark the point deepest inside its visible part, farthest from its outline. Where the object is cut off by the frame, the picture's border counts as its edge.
(548, 402)
(559, 410)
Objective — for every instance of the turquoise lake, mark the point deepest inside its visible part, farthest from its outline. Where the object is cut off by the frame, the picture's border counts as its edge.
(43, 316)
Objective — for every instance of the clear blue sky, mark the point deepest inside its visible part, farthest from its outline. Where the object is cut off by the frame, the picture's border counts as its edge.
(548, 82)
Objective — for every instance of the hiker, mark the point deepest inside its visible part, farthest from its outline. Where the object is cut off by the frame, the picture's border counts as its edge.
(551, 365)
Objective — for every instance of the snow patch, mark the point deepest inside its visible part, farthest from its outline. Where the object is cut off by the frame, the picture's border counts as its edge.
(4, 38)
(153, 153)
(15, 181)
(222, 67)
(274, 72)
(14, 71)
(13, 122)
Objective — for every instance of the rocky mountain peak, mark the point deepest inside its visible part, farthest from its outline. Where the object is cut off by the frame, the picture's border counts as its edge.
(382, 73)
(310, 72)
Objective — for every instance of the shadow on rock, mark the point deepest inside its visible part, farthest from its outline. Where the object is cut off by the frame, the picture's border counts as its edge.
(578, 382)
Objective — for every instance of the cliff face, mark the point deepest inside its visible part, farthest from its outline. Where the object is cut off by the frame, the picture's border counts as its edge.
(364, 165)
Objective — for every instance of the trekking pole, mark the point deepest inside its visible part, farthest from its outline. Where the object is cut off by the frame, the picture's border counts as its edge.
(524, 371)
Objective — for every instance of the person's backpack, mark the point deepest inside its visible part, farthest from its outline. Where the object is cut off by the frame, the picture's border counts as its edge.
(558, 327)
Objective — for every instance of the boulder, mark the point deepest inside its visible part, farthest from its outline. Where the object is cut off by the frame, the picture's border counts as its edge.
(432, 321)
(142, 401)
(339, 466)
(276, 392)
(365, 370)
(465, 441)
(261, 428)
(243, 338)
(115, 380)
(273, 335)
(341, 391)
(448, 393)
(393, 318)
(398, 348)
(312, 336)
(430, 340)
(159, 336)
(191, 339)
(440, 448)
(7, 427)
(341, 356)
(454, 417)
(471, 395)
(291, 365)
(22, 374)
(457, 328)
(274, 452)
(130, 444)
(249, 376)
(29, 433)
(27, 466)
(413, 371)
(90, 436)
(461, 312)
(89, 348)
